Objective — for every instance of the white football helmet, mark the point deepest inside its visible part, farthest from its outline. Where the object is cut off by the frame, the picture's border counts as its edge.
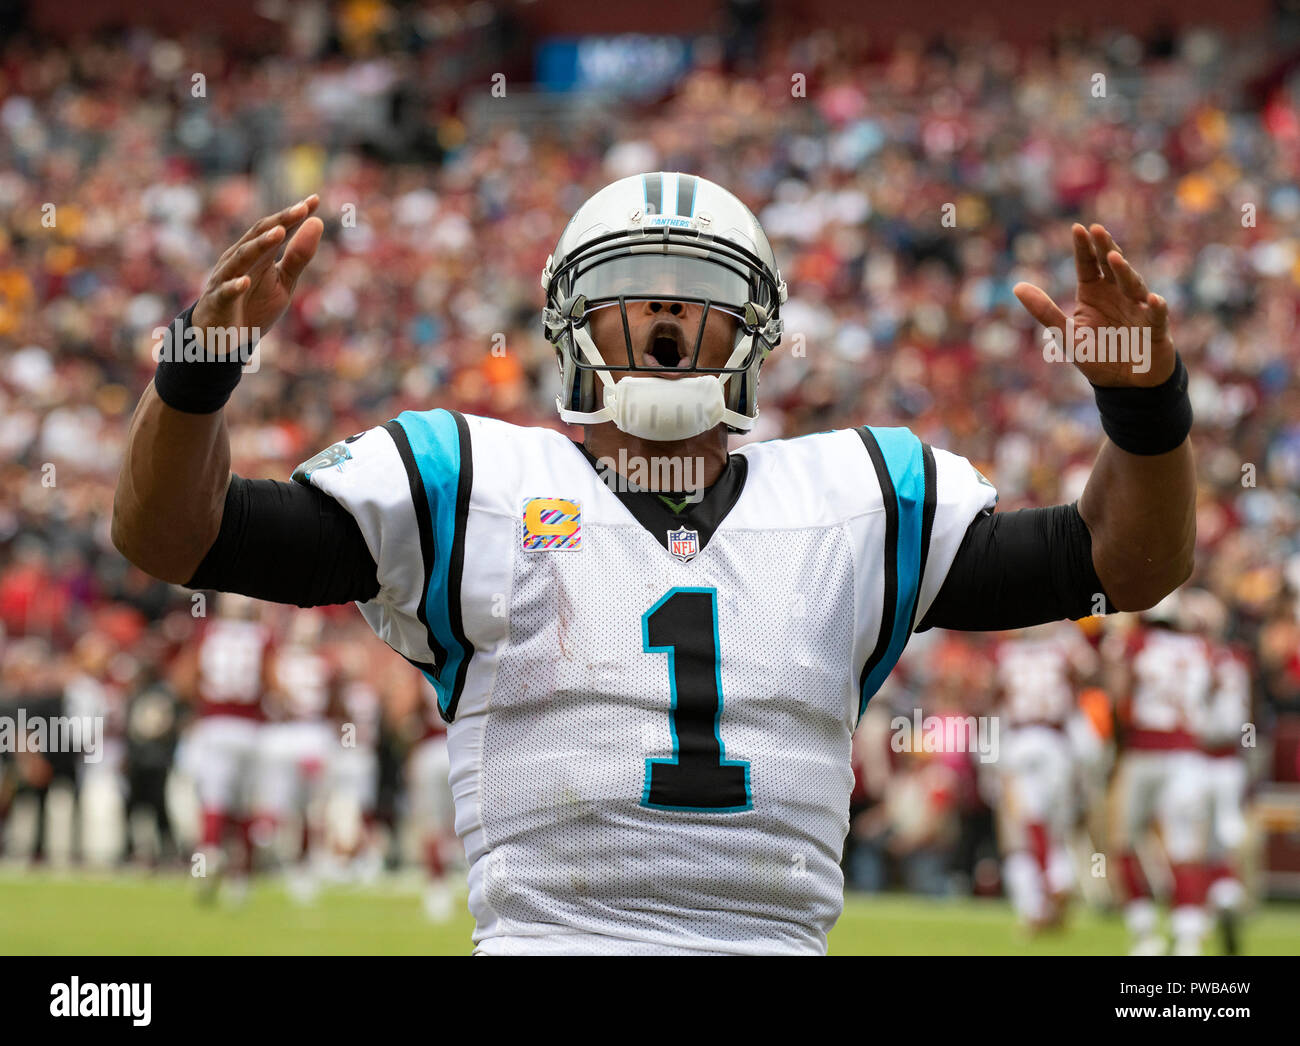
(662, 237)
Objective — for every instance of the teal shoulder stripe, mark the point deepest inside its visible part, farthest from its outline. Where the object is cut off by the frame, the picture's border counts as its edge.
(439, 442)
(904, 459)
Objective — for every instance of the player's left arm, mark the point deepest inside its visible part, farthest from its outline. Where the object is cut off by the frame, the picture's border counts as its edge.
(1139, 503)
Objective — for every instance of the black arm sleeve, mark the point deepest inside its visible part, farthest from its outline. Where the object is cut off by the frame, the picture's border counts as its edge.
(1020, 568)
(287, 543)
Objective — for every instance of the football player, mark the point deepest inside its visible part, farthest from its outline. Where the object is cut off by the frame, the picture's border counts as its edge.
(1039, 673)
(1226, 721)
(651, 652)
(295, 749)
(354, 766)
(1162, 777)
(429, 791)
(226, 673)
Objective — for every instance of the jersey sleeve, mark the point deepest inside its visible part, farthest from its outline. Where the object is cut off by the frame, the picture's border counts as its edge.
(929, 498)
(960, 494)
(287, 543)
(406, 483)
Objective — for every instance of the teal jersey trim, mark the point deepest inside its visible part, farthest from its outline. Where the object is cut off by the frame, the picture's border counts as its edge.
(439, 443)
(903, 487)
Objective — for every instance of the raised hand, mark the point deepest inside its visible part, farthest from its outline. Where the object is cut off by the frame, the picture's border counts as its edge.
(248, 287)
(1111, 294)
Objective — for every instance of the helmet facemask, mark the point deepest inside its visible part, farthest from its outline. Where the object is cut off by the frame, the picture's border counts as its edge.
(668, 266)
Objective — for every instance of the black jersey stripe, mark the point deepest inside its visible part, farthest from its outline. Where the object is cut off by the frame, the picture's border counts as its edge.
(890, 599)
(456, 561)
(424, 525)
(927, 523)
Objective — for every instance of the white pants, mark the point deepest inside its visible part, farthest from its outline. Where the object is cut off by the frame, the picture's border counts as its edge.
(1037, 778)
(221, 753)
(293, 758)
(1169, 789)
(1037, 766)
(354, 776)
(1227, 786)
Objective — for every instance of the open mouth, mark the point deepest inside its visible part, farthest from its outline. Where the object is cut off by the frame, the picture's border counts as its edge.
(666, 346)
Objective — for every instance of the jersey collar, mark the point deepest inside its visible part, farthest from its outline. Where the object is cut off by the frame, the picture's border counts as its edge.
(703, 516)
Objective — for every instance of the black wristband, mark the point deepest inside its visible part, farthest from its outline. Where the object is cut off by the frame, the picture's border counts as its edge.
(195, 386)
(1147, 421)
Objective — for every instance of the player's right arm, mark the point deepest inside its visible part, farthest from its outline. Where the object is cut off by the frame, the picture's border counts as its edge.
(172, 489)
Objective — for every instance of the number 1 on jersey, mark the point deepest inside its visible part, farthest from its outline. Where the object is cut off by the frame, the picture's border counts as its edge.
(699, 777)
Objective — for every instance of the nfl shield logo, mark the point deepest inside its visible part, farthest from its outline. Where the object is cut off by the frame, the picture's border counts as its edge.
(684, 544)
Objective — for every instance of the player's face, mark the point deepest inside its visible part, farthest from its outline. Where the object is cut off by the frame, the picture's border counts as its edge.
(663, 335)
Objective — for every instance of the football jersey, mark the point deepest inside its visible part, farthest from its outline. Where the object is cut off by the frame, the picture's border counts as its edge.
(431, 718)
(1035, 673)
(232, 656)
(1228, 710)
(306, 679)
(650, 711)
(1173, 675)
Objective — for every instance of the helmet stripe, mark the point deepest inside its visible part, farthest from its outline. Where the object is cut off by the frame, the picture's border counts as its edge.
(686, 195)
(654, 190)
(670, 194)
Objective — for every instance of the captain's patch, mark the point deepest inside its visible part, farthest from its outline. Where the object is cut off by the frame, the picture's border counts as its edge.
(552, 524)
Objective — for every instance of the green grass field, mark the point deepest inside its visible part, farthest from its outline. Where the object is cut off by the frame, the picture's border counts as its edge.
(84, 914)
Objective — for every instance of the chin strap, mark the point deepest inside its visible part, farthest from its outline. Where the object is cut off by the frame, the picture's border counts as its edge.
(610, 396)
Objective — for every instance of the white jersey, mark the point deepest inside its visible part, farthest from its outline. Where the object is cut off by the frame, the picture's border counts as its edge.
(232, 664)
(1228, 709)
(650, 714)
(1173, 677)
(305, 680)
(1036, 674)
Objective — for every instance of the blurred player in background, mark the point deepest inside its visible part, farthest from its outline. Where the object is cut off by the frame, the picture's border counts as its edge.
(294, 750)
(429, 793)
(1224, 723)
(1039, 672)
(1164, 679)
(1092, 743)
(354, 764)
(228, 675)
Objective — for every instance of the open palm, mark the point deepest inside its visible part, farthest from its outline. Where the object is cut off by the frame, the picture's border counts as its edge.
(1110, 294)
(248, 287)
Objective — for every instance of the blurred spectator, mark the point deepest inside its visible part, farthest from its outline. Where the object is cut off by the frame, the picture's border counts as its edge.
(153, 722)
